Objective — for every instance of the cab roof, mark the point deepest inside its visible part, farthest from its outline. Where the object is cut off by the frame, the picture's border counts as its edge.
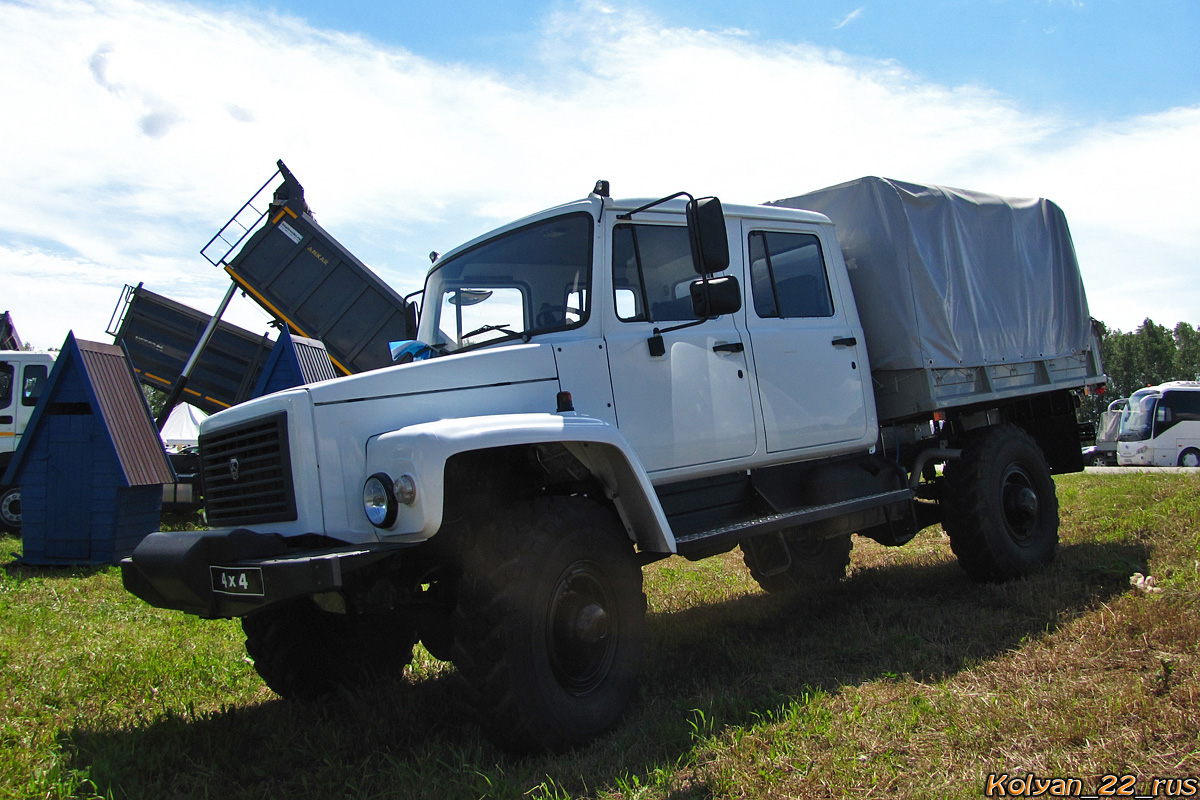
(671, 208)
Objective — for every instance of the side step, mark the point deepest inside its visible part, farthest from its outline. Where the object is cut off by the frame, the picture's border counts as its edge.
(707, 541)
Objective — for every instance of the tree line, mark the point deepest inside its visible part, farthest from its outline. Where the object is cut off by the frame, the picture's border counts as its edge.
(1150, 355)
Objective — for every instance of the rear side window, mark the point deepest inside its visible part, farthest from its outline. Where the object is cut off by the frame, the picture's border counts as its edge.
(787, 274)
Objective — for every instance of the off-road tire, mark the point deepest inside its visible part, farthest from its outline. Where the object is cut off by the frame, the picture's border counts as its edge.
(803, 564)
(1001, 509)
(1189, 458)
(549, 624)
(10, 509)
(302, 652)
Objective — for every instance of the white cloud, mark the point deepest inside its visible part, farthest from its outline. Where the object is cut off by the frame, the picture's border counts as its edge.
(135, 128)
(853, 15)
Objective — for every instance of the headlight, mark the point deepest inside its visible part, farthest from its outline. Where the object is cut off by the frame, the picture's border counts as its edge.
(382, 497)
(379, 500)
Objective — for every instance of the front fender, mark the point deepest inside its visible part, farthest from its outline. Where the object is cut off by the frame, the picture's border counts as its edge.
(422, 451)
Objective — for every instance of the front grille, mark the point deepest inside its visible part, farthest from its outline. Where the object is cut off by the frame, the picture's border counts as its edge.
(247, 473)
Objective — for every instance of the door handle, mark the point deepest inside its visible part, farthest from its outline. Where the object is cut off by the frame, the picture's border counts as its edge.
(729, 347)
(6, 420)
(845, 341)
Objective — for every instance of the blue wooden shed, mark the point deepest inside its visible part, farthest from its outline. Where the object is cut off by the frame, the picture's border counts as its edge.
(90, 465)
(294, 361)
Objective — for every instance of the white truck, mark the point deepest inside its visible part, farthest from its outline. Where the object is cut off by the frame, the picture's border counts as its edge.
(608, 383)
(23, 373)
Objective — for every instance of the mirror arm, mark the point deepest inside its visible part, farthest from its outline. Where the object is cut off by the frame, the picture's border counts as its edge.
(691, 324)
(629, 214)
(655, 342)
(694, 322)
(408, 301)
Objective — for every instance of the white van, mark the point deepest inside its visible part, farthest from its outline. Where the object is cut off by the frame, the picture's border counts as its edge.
(1161, 426)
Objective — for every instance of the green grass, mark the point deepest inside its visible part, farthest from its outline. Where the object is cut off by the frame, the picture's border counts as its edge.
(907, 680)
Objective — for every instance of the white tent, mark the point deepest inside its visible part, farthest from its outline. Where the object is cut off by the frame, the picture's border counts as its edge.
(183, 426)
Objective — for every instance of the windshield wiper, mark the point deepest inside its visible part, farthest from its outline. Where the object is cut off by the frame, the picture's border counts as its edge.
(486, 329)
(505, 337)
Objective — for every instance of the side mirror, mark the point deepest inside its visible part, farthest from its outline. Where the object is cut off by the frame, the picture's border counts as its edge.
(706, 230)
(716, 296)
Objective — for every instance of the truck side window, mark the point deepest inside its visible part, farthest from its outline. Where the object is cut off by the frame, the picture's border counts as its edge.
(6, 384)
(787, 275)
(35, 379)
(652, 273)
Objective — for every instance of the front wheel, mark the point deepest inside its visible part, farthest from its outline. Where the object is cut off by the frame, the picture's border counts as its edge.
(549, 624)
(1190, 458)
(1001, 510)
(10, 509)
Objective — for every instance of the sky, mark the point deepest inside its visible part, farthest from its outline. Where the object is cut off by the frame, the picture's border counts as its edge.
(133, 129)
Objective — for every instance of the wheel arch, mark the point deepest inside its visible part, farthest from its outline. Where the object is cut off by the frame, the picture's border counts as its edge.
(1184, 453)
(428, 450)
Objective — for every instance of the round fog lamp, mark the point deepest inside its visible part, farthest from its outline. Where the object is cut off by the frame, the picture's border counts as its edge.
(379, 500)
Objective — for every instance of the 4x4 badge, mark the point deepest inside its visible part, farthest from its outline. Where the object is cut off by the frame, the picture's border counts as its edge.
(234, 468)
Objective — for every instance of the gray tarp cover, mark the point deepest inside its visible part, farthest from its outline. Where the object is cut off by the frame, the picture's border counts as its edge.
(948, 278)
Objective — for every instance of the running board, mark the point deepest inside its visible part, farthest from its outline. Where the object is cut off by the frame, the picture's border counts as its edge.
(707, 541)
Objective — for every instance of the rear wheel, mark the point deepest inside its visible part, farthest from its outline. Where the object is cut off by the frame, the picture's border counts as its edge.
(1001, 507)
(302, 652)
(1190, 458)
(786, 563)
(10, 509)
(549, 624)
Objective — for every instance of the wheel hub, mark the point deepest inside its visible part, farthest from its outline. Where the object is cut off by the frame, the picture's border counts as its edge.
(581, 633)
(1025, 503)
(1021, 505)
(591, 625)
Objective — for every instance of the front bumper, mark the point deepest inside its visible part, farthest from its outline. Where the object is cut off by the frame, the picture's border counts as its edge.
(1135, 456)
(233, 573)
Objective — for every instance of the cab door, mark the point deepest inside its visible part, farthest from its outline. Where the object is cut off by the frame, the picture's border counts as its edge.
(808, 346)
(8, 414)
(682, 396)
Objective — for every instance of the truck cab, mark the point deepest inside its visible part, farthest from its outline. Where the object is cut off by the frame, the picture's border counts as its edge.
(611, 295)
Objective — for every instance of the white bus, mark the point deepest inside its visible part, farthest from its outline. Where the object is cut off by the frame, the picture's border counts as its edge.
(1160, 427)
(22, 376)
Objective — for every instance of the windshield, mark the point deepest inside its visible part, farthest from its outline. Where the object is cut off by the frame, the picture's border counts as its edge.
(521, 283)
(1138, 417)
